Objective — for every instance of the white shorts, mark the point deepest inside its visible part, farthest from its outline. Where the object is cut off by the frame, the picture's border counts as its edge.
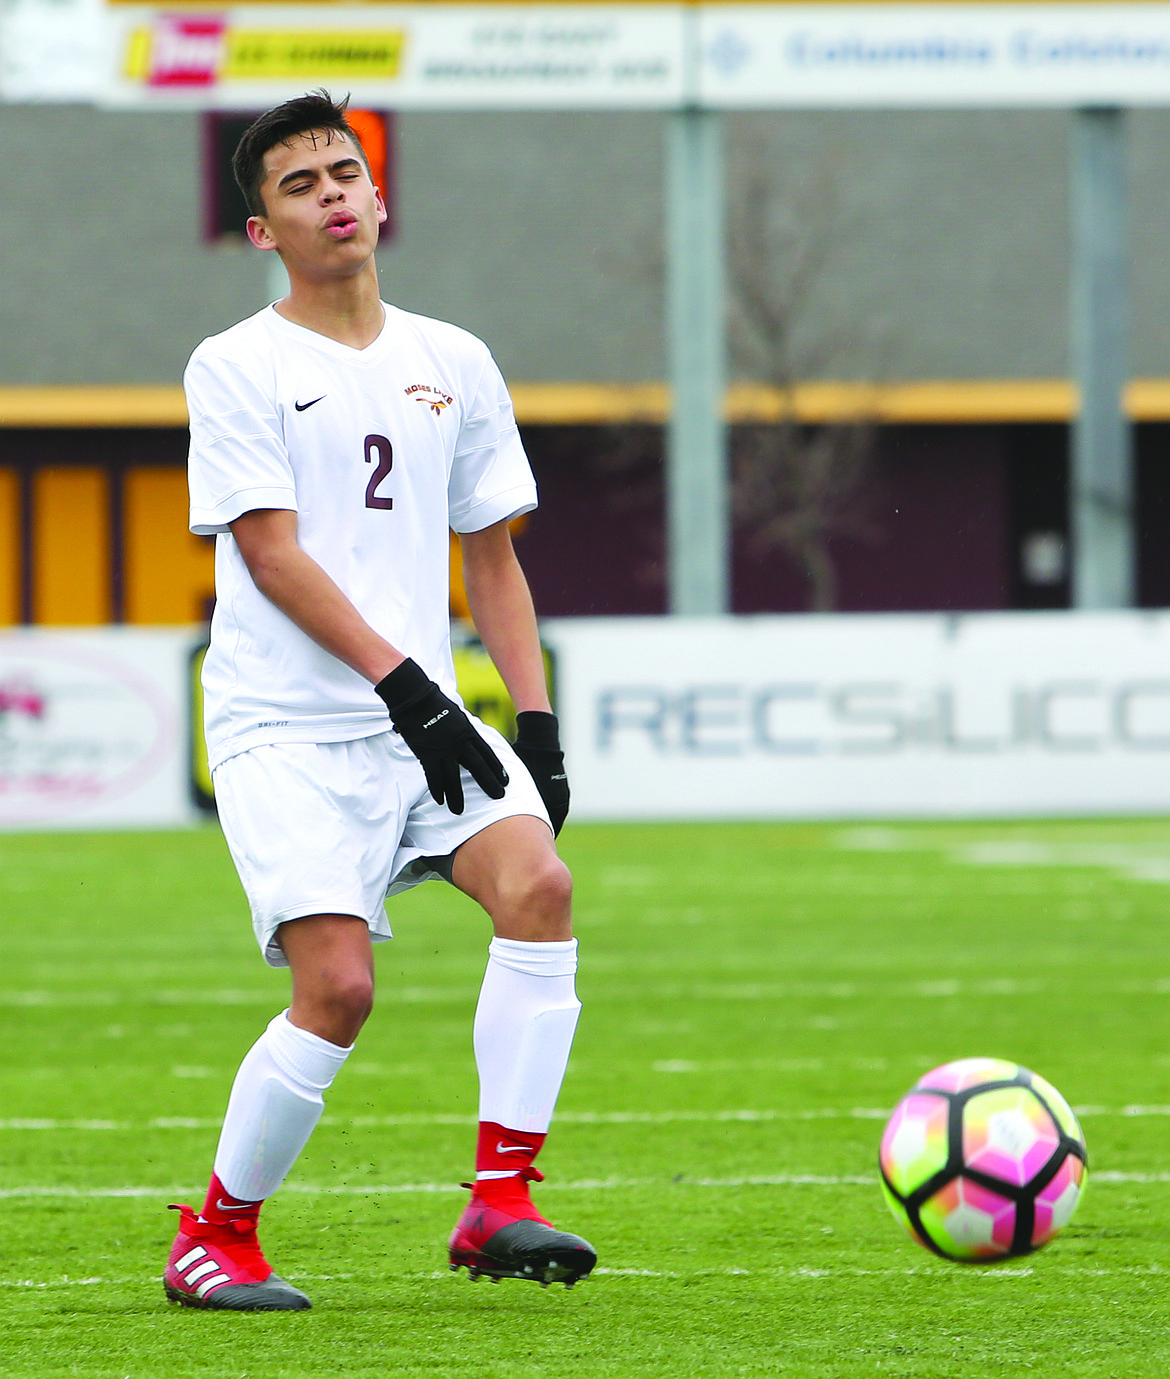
(336, 827)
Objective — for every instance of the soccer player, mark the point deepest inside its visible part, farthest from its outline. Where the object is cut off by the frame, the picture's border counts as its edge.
(334, 441)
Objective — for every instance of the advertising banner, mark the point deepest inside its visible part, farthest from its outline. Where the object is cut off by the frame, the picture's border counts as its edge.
(398, 57)
(856, 715)
(587, 55)
(810, 56)
(52, 50)
(846, 716)
(94, 728)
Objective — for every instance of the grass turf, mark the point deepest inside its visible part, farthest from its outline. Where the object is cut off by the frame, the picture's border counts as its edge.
(756, 998)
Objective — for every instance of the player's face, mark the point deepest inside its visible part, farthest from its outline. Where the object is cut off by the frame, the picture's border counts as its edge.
(322, 211)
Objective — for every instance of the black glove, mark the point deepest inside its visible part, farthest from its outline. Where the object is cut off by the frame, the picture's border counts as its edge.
(538, 746)
(441, 735)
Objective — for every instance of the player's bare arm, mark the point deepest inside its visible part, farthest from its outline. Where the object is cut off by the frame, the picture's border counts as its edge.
(434, 727)
(501, 608)
(291, 579)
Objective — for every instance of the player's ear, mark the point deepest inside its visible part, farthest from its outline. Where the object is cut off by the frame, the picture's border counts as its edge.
(379, 206)
(259, 233)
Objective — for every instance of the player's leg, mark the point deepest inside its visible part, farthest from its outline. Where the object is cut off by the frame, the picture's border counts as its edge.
(332, 962)
(524, 1026)
(275, 1103)
(313, 830)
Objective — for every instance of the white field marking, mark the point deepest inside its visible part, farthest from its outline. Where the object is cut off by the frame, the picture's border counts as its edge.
(390, 1069)
(942, 988)
(410, 1118)
(730, 1065)
(406, 995)
(420, 1118)
(1108, 1175)
(383, 1189)
(770, 1065)
(43, 1123)
(787, 1180)
(635, 1273)
(797, 1180)
(1149, 862)
(65, 1282)
(988, 1273)
(935, 989)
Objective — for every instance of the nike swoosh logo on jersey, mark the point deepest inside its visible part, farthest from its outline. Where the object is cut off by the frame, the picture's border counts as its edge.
(304, 406)
(502, 1148)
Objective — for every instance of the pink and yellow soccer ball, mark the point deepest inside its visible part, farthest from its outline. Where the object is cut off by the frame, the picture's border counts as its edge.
(982, 1160)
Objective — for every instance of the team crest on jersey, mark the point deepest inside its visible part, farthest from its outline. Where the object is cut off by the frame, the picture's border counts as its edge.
(435, 398)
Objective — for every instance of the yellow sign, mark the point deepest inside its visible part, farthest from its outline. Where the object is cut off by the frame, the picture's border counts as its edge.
(202, 790)
(480, 687)
(179, 51)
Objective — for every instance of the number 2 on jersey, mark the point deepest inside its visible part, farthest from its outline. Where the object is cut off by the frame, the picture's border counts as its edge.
(381, 447)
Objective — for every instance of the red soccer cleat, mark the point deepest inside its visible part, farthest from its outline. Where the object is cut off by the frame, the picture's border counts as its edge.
(222, 1267)
(507, 1238)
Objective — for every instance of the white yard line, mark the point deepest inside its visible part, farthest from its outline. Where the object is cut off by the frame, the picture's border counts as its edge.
(991, 1273)
(825, 1180)
(36, 998)
(942, 988)
(382, 1189)
(426, 1118)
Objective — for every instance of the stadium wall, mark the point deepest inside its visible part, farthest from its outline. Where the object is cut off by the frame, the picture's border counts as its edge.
(941, 256)
(93, 525)
(940, 237)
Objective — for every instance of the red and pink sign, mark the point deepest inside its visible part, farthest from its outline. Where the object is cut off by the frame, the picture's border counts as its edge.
(186, 50)
(94, 728)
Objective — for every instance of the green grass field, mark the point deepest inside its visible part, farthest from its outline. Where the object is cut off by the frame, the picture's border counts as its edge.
(756, 999)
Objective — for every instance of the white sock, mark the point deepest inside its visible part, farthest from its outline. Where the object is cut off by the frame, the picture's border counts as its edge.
(275, 1103)
(524, 1025)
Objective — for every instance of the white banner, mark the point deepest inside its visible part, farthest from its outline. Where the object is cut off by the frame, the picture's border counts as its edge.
(587, 56)
(810, 56)
(51, 50)
(95, 728)
(397, 57)
(865, 715)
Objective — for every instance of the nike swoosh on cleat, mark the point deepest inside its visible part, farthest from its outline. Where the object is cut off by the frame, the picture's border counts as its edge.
(502, 1148)
(304, 406)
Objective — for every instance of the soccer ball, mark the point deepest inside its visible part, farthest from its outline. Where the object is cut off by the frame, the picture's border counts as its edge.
(982, 1160)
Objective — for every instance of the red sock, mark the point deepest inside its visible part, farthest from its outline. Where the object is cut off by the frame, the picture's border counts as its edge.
(221, 1207)
(501, 1150)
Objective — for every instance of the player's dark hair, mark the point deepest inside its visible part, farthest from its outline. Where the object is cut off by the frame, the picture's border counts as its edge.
(316, 111)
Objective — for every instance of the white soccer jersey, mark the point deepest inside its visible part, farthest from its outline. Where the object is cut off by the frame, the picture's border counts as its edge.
(378, 451)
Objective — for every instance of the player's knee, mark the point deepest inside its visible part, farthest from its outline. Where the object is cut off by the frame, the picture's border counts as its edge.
(351, 997)
(556, 887)
(542, 892)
